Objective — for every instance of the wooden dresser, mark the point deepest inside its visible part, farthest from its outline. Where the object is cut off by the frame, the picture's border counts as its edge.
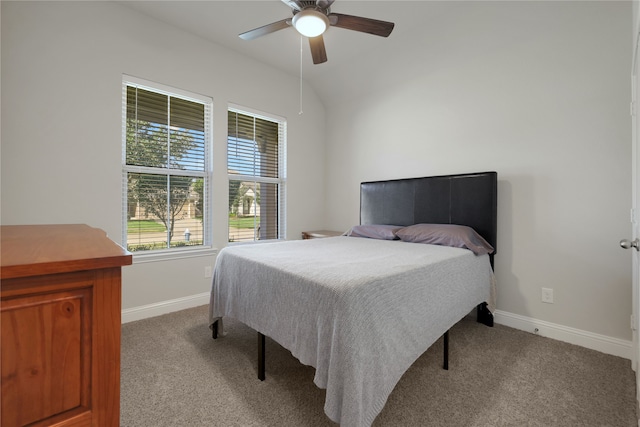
(60, 320)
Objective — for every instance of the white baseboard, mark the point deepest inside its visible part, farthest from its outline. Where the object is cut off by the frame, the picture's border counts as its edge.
(605, 344)
(164, 307)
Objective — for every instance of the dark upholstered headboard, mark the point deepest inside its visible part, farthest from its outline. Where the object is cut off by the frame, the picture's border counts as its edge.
(467, 199)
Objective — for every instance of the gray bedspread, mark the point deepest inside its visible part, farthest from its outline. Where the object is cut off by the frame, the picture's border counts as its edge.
(359, 310)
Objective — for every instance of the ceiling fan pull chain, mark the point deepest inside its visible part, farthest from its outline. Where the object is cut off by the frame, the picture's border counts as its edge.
(301, 42)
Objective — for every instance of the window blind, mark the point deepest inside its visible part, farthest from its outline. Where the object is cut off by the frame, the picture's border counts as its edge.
(166, 169)
(257, 182)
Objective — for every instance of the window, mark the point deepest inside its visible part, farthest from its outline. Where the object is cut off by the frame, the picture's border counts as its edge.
(166, 168)
(256, 147)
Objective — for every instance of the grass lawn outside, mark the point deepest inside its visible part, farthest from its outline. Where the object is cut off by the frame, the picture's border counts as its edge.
(244, 222)
(145, 226)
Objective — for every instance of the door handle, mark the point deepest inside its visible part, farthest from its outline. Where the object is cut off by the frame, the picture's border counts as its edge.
(626, 244)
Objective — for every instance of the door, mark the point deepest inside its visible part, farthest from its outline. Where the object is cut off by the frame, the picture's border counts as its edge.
(635, 198)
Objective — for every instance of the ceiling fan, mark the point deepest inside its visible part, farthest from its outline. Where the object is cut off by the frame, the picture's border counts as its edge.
(312, 18)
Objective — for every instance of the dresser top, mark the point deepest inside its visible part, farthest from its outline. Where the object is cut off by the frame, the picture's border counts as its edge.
(32, 250)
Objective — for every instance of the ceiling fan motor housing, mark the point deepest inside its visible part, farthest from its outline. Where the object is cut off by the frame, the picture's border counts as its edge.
(306, 4)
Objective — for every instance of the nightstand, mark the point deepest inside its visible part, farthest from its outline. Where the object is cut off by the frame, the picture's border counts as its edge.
(320, 233)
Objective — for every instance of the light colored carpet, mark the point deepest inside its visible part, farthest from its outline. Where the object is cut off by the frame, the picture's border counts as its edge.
(174, 374)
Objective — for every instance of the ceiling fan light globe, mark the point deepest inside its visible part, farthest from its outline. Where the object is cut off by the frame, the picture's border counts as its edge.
(310, 23)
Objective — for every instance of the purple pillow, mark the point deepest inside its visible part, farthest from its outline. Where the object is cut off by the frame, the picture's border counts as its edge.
(457, 236)
(374, 231)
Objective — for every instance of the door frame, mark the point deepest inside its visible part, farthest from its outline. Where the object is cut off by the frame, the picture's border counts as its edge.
(635, 196)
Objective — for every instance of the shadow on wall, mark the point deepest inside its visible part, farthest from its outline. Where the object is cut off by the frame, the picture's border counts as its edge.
(509, 293)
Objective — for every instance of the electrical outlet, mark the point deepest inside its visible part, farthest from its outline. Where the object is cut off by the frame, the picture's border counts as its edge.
(547, 295)
(207, 271)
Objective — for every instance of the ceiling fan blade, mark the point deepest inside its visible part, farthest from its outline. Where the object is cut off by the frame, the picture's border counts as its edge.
(324, 4)
(318, 52)
(265, 29)
(364, 25)
(293, 4)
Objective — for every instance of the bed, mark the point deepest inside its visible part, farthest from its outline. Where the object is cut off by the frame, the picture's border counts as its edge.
(362, 310)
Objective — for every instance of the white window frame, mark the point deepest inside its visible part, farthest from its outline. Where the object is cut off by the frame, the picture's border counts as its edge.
(282, 170)
(206, 248)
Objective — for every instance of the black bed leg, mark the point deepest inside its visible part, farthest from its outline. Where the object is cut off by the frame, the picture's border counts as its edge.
(484, 316)
(260, 356)
(446, 351)
(214, 330)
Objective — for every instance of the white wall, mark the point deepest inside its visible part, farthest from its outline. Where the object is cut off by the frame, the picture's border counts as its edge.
(539, 92)
(62, 66)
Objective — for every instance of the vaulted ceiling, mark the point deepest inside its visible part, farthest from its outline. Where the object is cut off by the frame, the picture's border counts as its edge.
(356, 61)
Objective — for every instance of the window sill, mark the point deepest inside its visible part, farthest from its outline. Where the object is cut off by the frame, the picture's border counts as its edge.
(142, 257)
(255, 242)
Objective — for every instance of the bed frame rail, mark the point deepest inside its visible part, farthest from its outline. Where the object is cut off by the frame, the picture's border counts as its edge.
(262, 356)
